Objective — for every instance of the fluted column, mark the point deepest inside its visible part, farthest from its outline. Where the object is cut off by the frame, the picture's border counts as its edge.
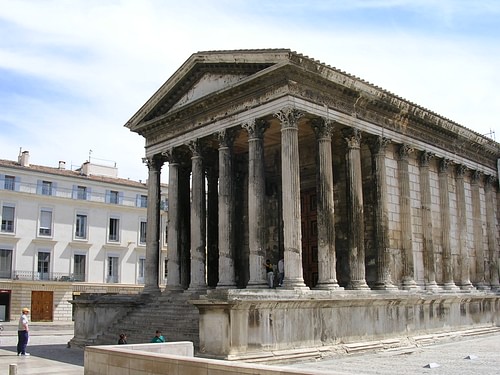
(444, 204)
(378, 148)
(408, 278)
(480, 280)
(427, 239)
(463, 262)
(492, 230)
(355, 217)
(290, 178)
(152, 266)
(173, 249)
(212, 221)
(327, 274)
(256, 209)
(198, 219)
(226, 210)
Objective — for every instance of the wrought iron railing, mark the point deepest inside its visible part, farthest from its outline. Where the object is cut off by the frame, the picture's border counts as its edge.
(43, 276)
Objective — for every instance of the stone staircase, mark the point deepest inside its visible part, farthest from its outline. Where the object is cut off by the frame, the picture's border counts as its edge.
(170, 312)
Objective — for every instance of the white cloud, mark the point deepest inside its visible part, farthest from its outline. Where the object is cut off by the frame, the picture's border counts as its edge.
(105, 59)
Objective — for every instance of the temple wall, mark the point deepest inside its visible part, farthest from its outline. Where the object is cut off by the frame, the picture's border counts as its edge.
(246, 324)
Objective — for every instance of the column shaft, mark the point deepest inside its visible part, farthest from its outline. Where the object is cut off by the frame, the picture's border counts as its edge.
(152, 266)
(173, 249)
(290, 177)
(444, 204)
(428, 242)
(327, 273)
(198, 219)
(355, 214)
(480, 280)
(384, 261)
(256, 202)
(492, 231)
(226, 210)
(408, 279)
(463, 262)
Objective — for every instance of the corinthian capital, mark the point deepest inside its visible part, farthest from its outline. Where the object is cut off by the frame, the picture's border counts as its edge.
(256, 128)
(323, 128)
(289, 117)
(353, 137)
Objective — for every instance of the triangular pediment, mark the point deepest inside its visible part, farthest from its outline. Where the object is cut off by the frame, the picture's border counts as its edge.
(209, 83)
(204, 74)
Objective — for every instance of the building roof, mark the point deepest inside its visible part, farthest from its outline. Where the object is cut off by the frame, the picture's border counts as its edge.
(70, 173)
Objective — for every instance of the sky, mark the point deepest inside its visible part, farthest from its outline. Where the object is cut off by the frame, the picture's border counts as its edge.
(73, 72)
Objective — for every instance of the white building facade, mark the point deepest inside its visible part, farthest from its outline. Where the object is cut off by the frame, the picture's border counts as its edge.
(66, 232)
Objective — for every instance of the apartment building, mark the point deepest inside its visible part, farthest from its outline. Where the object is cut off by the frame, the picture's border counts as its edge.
(65, 232)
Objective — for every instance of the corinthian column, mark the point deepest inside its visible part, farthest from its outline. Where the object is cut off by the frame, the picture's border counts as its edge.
(256, 211)
(290, 178)
(355, 215)
(198, 219)
(480, 281)
(327, 274)
(226, 204)
(444, 204)
(173, 250)
(463, 261)
(152, 266)
(427, 240)
(408, 279)
(492, 230)
(378, 147)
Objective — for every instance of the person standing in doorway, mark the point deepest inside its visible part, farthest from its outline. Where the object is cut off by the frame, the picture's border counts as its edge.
(281, 271)
(269, 273)
(23, 333)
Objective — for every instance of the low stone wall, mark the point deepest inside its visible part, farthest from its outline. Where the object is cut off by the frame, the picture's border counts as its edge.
(278, 325)
(167, 358)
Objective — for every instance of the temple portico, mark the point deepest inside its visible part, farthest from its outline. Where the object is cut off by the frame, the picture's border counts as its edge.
(385, 213)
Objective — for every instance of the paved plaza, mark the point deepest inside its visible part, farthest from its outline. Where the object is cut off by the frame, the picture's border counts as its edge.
(50, 355)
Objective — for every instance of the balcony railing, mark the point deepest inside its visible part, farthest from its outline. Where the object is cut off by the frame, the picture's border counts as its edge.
(43, 276)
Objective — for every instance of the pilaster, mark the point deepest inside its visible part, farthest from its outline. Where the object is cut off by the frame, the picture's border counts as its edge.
(480, 281)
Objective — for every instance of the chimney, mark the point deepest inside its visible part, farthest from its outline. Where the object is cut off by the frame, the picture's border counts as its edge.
(24, 159)
(62, 164)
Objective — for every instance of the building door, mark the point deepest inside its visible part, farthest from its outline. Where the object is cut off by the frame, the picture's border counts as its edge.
(5, 305)
(309, 237)
(41, 306)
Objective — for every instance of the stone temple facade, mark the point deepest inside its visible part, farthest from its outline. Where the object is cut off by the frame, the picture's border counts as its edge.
(385, 213)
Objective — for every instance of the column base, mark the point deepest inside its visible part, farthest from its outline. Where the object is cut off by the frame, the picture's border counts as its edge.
(385, 286)
(466, 286)
(482, 286)
(450, 286)
(297, 284)
(409, 284)
(151, 289)
(174, 288)
(432, 286)
(328, 286)
(357, 285)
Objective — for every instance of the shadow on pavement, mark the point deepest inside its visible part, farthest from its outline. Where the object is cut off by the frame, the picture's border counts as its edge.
(58, 352)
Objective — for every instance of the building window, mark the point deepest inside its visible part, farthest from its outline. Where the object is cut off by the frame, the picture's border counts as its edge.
(142, 265)
(112, 273)
(113, 197)
(43, 265)
(81, 226)
(81, 192)
(143, 201)
(45, 222)
(79, 269)
(9, 183)
(46, 188)
(8, 213)
(114, 229)
(5, 263)
(142, 232)
(165, 269)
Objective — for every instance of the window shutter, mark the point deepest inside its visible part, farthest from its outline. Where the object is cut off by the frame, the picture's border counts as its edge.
(74, 194)
(138, 200)
(39, 187)
(17, 183)
(54, 189)
(89, 193)
(120, 197)
(2, 181)
(108, 196)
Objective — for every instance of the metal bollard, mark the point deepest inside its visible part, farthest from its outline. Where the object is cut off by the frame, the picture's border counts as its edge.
(13, 369)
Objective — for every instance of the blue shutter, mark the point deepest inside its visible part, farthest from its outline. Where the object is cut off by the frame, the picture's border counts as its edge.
(2, 181)
(108, 196)
(39, 187)
(120, 197)
(54, 189)
(138, 200)
(89, 193)
(17, 183)
(74, 193)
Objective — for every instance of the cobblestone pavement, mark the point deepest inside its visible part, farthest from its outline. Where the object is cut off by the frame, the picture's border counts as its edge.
(50, 355)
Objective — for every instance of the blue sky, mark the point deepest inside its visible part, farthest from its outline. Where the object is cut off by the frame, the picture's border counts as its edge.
(73, 72)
